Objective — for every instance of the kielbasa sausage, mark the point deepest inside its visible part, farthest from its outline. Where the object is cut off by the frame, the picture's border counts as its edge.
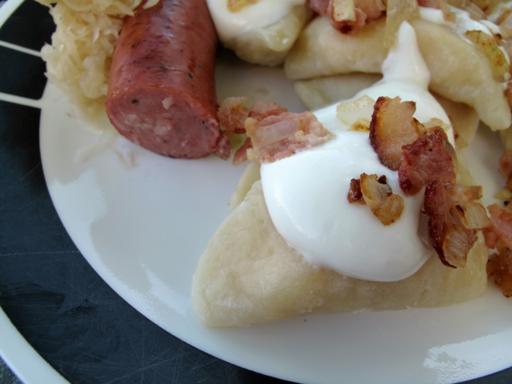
(161, 85)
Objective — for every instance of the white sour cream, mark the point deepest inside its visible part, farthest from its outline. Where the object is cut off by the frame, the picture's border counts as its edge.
(261, 14)
(306, 194)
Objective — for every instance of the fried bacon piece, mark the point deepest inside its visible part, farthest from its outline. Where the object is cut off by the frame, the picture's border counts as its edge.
(392, 127)
(498, 236)
(501, 220)
(508, 92)
(506, 167)
(354, 193)
(454, 217)
(429, 158)
(233, 112)
(430, 3)
(279, 136)
(349, 15)
(499, 270)
(375, 192)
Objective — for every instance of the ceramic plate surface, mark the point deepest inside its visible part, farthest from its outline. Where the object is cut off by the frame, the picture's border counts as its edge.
(142, 221)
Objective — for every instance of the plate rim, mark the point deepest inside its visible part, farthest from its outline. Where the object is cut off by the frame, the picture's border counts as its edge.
(25, 362)
(39, 368)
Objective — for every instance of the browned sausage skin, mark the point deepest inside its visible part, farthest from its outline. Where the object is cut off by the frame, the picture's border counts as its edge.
(161, 84)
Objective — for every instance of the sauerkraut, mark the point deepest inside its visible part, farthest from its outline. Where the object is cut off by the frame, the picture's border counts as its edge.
(79, 56)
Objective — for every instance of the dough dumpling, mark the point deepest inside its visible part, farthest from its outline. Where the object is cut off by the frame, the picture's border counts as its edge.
(248, 274)
(459, 71)
(321, 50)
(320, 92)
(267, 45)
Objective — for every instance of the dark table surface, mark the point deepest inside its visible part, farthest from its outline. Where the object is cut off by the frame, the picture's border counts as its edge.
(60, 305)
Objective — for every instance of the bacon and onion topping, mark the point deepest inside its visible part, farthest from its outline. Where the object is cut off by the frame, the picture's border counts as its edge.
(349, 15)
(393, 126)
(234, 113)
(375, 192)
(278, 136)
(499, 270)
(429, 158)
(424, 158)
(454, 218)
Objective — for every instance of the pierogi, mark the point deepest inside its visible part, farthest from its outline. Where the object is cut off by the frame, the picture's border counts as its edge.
(249, 275)
(459, 71)
(260, 32)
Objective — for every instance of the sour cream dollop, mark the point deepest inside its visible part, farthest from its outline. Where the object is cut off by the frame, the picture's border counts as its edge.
(261, 14)
(306, 194)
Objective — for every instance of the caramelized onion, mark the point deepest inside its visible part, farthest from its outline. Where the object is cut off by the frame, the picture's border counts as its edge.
(381, 200)
(490, 48)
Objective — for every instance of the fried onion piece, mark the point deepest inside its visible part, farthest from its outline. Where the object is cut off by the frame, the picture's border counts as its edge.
(279, 136)
(238, 5)
(429, 158)
(381, 200)
(491, 49)
(232, 114)
(453, 221)
(392, 127)
(499, 270)
(349, 15)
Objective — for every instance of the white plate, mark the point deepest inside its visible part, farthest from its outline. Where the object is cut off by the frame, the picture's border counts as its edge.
(142, 221)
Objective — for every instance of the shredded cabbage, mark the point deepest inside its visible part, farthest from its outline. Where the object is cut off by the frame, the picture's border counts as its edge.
(79, 56)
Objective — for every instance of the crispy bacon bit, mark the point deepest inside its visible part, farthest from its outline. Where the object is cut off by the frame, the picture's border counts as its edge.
(429, 158)
(499, 270)
(279, 136)
(349, 15)
(501, 219)
(429, 3)
(379, 197)
(232, 114)
(392, 127)
(506, 168)
(450, 226)
(354, 193)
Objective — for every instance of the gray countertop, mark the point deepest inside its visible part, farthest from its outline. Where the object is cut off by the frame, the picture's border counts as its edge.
(6, 376)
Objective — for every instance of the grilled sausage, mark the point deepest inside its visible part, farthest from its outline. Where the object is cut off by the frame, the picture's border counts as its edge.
(161, 84)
